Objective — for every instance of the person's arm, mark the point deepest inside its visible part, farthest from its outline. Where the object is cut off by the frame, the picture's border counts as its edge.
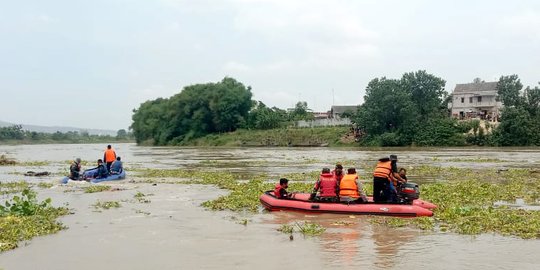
(317, 186)
(283, 194)
(398, 177)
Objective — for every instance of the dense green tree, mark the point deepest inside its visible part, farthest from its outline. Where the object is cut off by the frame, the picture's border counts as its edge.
(197, 110)
(14, 132)
(400, 110)
(516, 128)
(520, 118)
(148, 120)
(532, 100)
(262, 117)
(426, 91)
(386, 107)
(439, 131)
(121, 134)
(508, 90)
(301, 112)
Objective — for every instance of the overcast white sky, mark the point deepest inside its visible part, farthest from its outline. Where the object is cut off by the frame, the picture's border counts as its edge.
(90, 63)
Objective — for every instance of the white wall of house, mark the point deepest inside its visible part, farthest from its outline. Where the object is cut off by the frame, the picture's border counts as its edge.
(463, 103)
(324, 122)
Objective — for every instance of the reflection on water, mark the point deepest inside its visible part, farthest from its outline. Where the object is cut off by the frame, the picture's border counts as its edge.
(178, 234)
(351, 241)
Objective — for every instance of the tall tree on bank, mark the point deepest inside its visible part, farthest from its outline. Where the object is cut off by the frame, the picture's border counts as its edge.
(398, 111)
(520, 117)
(301, 112)
(427, 92)
(262, 117)
(148, 120)
(197, 110)
(509, 90)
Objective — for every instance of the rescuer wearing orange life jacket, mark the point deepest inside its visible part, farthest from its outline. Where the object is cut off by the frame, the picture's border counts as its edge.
(349, 186)
(280, 190)
(109, 157)
(327, 184)
(383, 180)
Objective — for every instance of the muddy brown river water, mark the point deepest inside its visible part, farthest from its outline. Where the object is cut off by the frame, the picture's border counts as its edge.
(174, 232)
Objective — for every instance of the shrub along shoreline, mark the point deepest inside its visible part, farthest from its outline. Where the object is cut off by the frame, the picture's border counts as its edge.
(282, 137)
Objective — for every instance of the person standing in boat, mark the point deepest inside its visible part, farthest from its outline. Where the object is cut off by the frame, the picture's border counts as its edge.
(396, 182)
(280, 190)
(117, 166)
(327, 184)
(109, 156)
(75, 169)
(350, 187)
(383, 177)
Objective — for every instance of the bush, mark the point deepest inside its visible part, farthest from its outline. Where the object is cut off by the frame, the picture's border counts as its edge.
(390, 139)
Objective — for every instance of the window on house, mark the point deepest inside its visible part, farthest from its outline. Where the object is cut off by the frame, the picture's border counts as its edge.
(462, 100)
(479, 99)
(470, 100)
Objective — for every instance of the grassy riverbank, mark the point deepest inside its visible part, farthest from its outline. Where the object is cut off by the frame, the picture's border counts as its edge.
(321, 136)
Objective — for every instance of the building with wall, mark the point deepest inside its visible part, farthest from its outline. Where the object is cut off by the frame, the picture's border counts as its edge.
(475, 100)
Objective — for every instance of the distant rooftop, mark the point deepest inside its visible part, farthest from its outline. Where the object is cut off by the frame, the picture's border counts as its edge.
(475, 87)
(344, 108)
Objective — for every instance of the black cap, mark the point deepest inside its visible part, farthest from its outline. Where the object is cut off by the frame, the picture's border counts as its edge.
(393, 157)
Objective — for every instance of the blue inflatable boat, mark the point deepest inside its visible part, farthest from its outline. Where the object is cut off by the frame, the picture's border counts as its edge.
(89, 175)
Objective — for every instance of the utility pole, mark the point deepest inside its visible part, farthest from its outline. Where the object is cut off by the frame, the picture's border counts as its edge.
(333, 97)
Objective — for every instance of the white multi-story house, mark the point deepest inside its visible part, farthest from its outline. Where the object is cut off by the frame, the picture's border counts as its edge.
(470, 100)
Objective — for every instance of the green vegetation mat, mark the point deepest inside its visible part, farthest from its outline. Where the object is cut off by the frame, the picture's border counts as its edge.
(23, 218)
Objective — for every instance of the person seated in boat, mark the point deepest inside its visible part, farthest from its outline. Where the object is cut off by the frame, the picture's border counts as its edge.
(403, 174)
(350, 189)
(75, 169)
(338, 172)
(327, 184)
(117, 166)
(101, 170)
(280, 190)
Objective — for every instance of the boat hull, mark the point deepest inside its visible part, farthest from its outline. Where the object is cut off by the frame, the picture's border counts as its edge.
(299, 204)
(87, 174)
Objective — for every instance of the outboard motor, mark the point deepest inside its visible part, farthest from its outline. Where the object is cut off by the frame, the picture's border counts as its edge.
(408, 192)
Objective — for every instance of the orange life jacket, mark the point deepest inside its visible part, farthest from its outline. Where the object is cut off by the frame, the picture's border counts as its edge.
(327, 184)
(110, 155)
(348, 186)
(383, 170)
